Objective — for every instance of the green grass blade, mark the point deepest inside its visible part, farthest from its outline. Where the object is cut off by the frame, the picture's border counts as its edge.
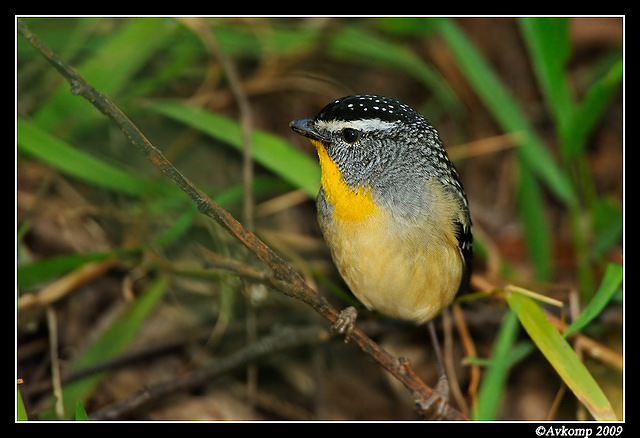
(292, 165)
(31, 274)
(537, 235)
(505, 109)
(493, 383)
(109, 69)
(38, 143)
(607, 218)
(561, 356)
(589, 112)
(81, 414)
(21, 414)
(548, 42)
(609, 286)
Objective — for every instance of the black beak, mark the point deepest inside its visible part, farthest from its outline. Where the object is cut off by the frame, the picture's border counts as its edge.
(305, 128)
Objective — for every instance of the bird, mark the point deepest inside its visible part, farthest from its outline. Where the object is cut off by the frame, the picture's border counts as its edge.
(391, 208)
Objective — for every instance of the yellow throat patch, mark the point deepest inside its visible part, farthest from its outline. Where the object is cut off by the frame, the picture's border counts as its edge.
(349, 205)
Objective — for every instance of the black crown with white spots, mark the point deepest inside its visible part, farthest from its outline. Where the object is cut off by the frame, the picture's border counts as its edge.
(368, 106)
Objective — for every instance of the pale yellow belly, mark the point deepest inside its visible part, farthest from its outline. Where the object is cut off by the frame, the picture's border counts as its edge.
(395, 273)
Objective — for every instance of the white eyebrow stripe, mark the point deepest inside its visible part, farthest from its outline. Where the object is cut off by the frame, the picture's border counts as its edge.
(362, 125)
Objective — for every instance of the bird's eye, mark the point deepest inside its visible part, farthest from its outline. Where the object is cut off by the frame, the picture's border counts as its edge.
(350, 135)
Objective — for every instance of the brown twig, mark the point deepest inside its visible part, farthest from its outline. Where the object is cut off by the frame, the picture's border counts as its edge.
(284, 277)
(285, 340)
(32, 303)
